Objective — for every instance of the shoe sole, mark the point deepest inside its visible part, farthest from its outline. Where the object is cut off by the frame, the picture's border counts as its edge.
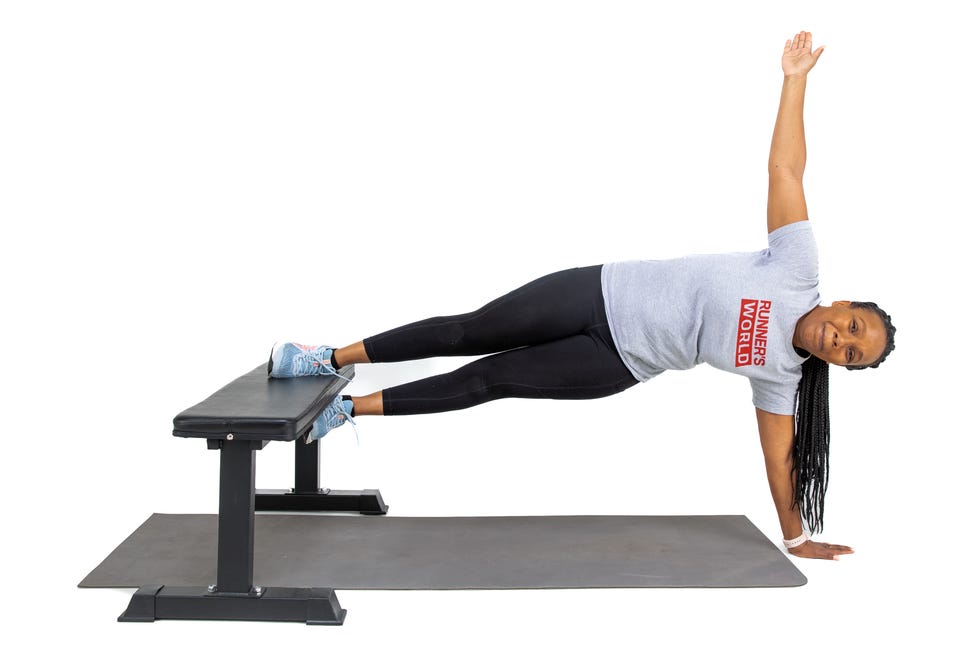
(269, 367)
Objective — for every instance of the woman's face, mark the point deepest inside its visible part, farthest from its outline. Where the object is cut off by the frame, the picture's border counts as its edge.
(842, 335)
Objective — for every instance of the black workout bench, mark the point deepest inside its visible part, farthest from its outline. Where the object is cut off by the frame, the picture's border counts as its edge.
(239, 420)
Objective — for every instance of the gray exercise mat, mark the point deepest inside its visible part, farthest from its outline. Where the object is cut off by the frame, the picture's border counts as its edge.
(382, 552)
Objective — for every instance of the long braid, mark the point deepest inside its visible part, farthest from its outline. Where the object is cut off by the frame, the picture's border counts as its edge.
(811, 446)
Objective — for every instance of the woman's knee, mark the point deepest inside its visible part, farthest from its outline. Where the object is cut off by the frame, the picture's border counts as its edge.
(450, 332)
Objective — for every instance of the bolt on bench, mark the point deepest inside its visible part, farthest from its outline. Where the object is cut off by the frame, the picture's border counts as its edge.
(240, 419)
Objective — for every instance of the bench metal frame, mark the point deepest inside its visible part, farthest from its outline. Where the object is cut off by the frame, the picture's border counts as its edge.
(234, 595)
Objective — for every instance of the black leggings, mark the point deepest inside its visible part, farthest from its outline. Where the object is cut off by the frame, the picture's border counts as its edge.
(553, 337)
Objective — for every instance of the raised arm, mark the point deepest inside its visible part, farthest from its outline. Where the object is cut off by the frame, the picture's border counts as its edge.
(776, 435)
(787, 154)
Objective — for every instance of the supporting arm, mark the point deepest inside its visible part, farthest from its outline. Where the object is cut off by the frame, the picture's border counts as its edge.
(776, 436)
(776, 433)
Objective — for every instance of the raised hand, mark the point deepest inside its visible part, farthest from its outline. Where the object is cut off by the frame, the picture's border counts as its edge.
(797, 57)
(811, 549)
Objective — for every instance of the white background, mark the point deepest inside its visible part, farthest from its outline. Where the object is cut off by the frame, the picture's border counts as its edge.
(183, 183)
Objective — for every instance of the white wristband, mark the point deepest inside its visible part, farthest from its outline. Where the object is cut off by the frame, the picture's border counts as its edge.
(795, 542)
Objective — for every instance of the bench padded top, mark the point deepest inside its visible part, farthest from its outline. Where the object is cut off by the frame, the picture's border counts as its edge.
(255, 407)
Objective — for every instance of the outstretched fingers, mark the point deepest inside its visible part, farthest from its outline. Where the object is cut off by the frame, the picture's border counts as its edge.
(820, 550)
(801, 40)
(798, 54)
(833, 551)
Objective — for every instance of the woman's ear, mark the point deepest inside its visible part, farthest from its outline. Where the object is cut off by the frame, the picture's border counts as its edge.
(841, 302)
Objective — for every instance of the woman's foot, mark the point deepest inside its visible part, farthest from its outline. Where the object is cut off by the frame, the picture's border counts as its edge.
(291, 359)
(339, 411)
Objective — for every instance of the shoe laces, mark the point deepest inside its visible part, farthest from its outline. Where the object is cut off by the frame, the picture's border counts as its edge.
(314, 363)
(343, 416)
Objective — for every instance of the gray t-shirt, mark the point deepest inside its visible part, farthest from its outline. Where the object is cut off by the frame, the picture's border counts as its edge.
(736, 312)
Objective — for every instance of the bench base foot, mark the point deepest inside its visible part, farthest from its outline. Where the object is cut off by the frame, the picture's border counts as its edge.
(366, 502)
(310, 605)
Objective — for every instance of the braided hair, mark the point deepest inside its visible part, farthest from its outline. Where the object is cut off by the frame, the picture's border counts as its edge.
(811, 446)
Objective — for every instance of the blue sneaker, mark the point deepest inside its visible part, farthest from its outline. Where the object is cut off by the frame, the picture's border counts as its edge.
(335, 414)
(289, 359)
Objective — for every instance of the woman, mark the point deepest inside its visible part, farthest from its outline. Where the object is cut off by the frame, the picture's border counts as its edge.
(594, 331)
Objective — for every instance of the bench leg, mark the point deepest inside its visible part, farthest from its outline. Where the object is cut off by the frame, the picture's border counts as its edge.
(236, 518)
(234, 596)
(307, 496)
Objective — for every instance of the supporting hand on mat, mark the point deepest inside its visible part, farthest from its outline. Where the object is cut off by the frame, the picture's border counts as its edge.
(811, 549)
(797, 58)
